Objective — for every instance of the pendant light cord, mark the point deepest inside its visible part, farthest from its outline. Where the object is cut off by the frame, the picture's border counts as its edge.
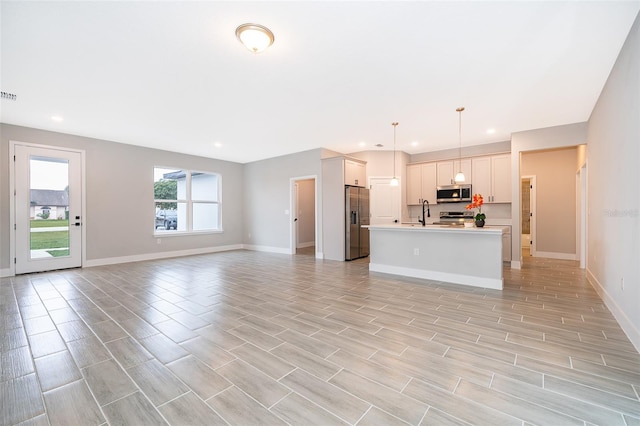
(394, 124)
(460, 134)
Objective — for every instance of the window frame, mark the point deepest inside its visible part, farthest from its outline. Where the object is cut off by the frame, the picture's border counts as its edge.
(189, 202)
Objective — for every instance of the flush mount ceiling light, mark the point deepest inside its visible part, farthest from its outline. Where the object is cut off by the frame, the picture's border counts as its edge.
(459, 176)
(255, 37)
(394, 181)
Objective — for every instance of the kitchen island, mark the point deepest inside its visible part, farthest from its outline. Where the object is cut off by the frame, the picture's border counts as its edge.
(469, 256)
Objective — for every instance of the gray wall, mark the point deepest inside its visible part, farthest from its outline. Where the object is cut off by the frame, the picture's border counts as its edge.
(613, 193)
(555, 173)
(267, 195)
(119, 196)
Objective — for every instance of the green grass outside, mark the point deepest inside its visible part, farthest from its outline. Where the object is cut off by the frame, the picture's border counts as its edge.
(48, 223)
(49, 240)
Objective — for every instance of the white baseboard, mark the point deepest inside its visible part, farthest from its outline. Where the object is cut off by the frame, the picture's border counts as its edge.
(8, 272)
(554, 255)
(307, 244)
(267, 249)
(627, 326)
(156, 256)
(493, 283)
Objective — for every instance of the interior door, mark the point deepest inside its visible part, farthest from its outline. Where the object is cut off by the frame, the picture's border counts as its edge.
(48, 209)
(384, 202)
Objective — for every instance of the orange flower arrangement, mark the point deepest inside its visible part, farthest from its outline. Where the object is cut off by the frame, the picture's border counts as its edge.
(477, 203)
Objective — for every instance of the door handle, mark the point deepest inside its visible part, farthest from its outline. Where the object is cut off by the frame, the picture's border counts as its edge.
(77, 224)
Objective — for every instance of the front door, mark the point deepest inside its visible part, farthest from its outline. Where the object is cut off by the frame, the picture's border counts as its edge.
(48, 209)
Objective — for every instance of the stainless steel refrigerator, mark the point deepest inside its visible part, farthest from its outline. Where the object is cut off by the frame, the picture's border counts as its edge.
(357, 215)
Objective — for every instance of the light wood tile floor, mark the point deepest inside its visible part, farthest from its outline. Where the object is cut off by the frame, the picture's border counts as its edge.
(248, 338)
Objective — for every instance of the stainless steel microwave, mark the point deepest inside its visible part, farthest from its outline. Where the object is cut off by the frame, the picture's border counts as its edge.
(453, 193)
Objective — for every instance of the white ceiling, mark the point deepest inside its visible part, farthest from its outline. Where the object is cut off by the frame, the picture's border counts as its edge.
(172, 75)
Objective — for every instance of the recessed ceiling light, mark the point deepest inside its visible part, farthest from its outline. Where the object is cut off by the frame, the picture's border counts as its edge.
(362, 144)
(57, 118)
(415, 143)
(217, 144)
(491, 131)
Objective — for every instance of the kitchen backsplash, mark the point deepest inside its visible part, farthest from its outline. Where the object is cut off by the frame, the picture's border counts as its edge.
(494, 211)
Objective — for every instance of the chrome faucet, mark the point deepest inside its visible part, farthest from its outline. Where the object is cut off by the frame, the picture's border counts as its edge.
(424, 218)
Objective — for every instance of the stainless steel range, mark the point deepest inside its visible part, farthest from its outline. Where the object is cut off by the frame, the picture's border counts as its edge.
(454, 218)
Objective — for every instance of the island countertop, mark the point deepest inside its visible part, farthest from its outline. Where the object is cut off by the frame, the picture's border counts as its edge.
(455, 254)
(438, 228)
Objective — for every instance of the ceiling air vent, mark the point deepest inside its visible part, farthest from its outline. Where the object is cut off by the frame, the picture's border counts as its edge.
(7, 95)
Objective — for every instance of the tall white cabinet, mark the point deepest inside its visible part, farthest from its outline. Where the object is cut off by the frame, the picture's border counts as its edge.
(491, 177)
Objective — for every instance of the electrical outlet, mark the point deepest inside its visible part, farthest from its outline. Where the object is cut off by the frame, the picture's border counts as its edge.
(622, 283)
(158, 241)
(416, 251)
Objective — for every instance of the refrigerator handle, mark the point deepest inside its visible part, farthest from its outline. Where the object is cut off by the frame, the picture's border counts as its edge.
(354, 217)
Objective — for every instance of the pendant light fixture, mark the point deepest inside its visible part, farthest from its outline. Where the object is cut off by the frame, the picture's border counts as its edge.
(459, 176)
(255, 37)
(394, 181)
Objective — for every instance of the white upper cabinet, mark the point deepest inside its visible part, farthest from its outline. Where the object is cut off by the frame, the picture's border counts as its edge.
(355, 173)
(414, 184)
(492, 178)
(421, 183)
(447, 171)
(501, 178)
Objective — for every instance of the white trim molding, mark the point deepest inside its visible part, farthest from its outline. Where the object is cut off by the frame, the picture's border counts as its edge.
(266, 249)
(157, 256)
(626, 324)
(554, 255)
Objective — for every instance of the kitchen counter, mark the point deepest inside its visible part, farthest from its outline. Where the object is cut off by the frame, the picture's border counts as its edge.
(469, 256)
(438, 228)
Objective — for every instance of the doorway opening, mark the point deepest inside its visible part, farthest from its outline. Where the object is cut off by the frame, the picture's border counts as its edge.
(528, 215)
(304, 216)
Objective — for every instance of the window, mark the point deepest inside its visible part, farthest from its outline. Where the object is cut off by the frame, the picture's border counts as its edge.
(186, 201)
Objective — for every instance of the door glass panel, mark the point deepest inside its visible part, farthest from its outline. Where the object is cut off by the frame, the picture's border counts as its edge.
(49, 207)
